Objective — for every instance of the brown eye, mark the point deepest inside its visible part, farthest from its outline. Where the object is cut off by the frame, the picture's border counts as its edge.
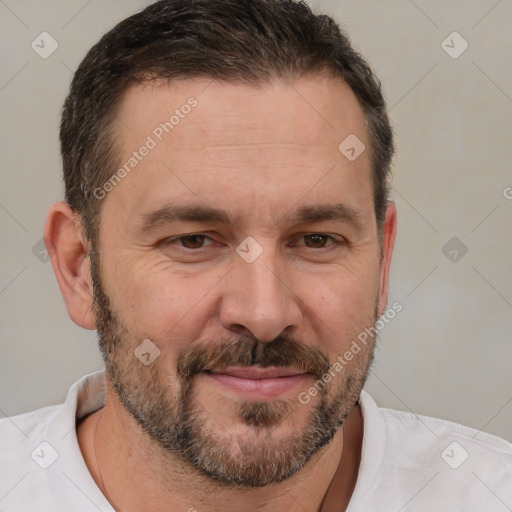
(316, 241)
(192, 241)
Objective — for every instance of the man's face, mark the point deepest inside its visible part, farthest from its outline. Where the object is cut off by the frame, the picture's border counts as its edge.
(244, 246)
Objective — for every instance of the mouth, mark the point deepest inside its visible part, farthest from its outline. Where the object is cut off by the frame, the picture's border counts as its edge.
(258, 383)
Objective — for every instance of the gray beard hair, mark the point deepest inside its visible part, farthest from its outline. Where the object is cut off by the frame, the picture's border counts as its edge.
(174, 420)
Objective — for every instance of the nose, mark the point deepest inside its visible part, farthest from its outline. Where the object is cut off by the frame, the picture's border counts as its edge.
(258, 297)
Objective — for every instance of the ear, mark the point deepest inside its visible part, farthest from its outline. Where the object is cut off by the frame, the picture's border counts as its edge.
(68, 251)
(388, 243)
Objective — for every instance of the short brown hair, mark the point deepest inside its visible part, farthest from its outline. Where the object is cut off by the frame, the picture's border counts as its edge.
(237, 41)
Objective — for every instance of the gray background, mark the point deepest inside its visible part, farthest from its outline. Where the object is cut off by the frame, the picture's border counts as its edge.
(448, 353)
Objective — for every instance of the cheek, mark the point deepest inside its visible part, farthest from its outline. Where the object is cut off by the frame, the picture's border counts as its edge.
(158, 302)
(342, 308)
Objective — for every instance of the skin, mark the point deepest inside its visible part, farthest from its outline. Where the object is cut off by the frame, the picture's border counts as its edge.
(259, 153)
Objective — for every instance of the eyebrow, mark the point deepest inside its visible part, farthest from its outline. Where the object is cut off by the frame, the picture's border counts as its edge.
(186, 213)
(171, 213)
(338, 212)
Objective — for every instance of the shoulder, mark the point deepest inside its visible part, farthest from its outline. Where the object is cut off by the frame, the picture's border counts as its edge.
(432, 462)
(419, 434)
(18, 433)
(41, 465)
(25, 458)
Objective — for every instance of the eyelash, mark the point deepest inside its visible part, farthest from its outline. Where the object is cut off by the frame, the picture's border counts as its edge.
(333, 241)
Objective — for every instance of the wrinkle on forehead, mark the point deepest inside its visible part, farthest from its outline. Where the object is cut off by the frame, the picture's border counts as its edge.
(262, 149)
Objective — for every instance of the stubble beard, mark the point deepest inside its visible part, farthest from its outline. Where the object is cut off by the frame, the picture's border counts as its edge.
(168, 411)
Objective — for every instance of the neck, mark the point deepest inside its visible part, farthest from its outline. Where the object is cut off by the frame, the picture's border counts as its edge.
(134, 474)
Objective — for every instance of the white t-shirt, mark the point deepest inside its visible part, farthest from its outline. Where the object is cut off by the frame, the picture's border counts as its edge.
(409, 463)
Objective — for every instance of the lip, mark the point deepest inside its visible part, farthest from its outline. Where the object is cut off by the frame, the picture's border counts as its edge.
(258, 383)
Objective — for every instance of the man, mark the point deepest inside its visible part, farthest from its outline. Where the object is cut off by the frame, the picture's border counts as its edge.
(227, 231)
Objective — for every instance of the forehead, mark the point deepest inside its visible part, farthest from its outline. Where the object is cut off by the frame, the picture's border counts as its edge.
(239, 144)
(316, 105)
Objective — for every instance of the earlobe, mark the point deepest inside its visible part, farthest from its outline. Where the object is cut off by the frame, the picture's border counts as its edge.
(388, 243)
(68, 251)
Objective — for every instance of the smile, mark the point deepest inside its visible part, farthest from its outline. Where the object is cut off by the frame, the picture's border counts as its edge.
(256, 382)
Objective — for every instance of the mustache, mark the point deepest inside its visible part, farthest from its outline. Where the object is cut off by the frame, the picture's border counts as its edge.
(247, 351)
